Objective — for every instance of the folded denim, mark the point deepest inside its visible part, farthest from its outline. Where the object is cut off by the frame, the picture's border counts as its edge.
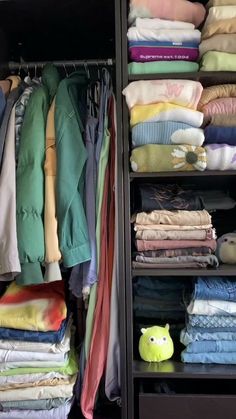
(208, 322)
(189, 335)
(211, 346)
(215, 288)
(212, 307)
(209, 357)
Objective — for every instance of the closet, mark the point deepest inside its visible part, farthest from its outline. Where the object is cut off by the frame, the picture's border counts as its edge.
(73, 36)
(193, 390)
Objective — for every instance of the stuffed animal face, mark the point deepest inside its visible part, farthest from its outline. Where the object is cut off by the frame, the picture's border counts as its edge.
(226, 248)
(155, 344)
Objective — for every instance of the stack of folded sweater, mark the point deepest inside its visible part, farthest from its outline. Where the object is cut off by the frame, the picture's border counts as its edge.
(218, 46)
(165, 125)
(158, 301)
(218, 104)
(163, 38)
(179, 235)
(210, 334)
(37, 364)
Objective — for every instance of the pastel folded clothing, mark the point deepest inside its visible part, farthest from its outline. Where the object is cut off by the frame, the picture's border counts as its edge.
(143, 245)
(168, 158)
(33, 336)
(222, 42)
(156, 23)
(209, 260)
(153, 197)
(174, 235)
(4, 366)
(221, 157)
(36, 307)
(218, 61)
(180, 92)
(212, 307)
(21, 356)
(24, 380)
(37, 393)
(223, 26)
(217, 13)
(198, 320)
(209, 357)
(215, 288)
(211, 93)
(165, 112)
(165, 227)
(212, 3)
(224, 106)
(169, 253)
(220, 135)
(211, 346)
(58, 412)
(179, 10)
(177, 265)
(166, 132)
(178, 217)
(193, 334)
(41, 404)
(223, 120)
(145, 53)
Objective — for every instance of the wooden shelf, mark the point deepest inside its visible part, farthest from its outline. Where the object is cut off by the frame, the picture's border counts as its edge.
(174, 369)
(134, 175)
(214, 77)
(222, 270)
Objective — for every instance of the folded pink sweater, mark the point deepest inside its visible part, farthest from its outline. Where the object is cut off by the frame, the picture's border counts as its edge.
(182, 10)
(143, 245)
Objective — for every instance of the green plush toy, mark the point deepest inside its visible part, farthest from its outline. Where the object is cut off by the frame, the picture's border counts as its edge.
(155, 344)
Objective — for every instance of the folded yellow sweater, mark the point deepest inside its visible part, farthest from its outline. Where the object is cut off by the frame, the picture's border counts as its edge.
(219, 27)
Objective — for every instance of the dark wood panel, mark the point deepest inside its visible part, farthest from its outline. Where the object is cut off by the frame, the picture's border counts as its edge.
(134, 175)
(223, 270)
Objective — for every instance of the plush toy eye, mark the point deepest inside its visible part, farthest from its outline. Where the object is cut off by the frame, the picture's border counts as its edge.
(152, 339)
(225, 240)
(164, 339)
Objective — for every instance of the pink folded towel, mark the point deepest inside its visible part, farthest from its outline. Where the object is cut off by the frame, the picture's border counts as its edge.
(182, 10)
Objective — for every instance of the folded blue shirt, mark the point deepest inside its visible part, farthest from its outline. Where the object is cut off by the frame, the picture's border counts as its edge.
(32, 336)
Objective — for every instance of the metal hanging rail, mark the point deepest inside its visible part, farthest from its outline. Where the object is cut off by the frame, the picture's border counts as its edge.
(12, 65)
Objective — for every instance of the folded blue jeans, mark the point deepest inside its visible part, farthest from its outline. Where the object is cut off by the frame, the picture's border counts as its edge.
(211, 346)
(215, 288)
(208, 322)
(209, 357)
(193, 334)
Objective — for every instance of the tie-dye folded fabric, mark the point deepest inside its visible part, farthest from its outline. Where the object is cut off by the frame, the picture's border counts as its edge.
(209, 94)
(217, 13)
(169, 253)
(168, 158)
(180, 92)
(224, 106)
(218, 61)
(32, 336)
(219, 27)
(175, 235)
(143, 245)
(35, 308)
(210, 260)
(155, 67)
(221, 157)
(168, 132)
(156, 23)
(222, 42)
(182, 10)
(165, 112)
(221, 135)
(171, 35)
(198, 320)
(143, 53)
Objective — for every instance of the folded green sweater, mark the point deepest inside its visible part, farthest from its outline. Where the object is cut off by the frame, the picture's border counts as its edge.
(163, 67)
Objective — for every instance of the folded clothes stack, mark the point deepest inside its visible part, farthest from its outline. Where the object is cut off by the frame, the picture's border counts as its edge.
(163, 38)
(37, 363)
(218, 45)
(165, 125)
(173, 231)
(210, 333)
(218, 104)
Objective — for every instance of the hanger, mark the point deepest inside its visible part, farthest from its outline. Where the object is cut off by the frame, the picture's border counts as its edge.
(87, 69)
(66, 73)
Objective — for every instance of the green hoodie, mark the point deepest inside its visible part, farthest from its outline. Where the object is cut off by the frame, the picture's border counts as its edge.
(30, 179)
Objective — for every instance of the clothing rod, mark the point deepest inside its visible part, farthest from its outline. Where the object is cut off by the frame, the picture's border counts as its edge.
(16, 65)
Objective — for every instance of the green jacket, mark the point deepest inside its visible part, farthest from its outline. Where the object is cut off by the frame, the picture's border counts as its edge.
(70, 117)
(30, 180)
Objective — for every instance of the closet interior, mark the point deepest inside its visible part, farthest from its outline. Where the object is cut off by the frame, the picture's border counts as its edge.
(158, 295)
(79, 38)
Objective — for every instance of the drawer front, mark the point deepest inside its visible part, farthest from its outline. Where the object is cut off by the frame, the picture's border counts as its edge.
(191, 406)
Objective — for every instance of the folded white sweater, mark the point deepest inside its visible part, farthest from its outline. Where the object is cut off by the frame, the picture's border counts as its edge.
(155, 23)
(171, 35)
